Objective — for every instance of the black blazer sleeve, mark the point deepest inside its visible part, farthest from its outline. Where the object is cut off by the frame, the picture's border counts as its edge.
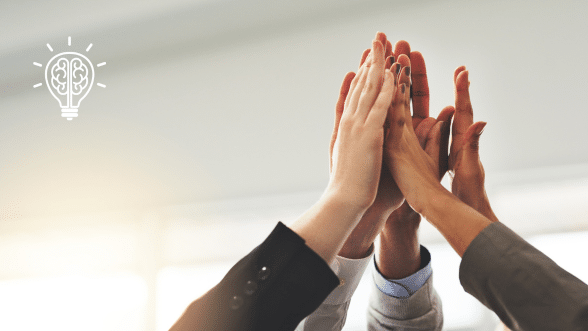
(525, 288)
(272, 288)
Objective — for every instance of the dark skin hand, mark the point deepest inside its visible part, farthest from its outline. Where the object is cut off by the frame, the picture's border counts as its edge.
(465, 167)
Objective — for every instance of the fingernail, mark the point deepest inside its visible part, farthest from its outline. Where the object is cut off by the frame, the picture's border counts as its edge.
(481, 128)
(403, 87)
(407, 71)
(398, 69)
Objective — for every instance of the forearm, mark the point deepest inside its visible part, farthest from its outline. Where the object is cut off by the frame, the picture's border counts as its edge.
(457, 222)
(327, 224)
(398, 254)
(361, 239)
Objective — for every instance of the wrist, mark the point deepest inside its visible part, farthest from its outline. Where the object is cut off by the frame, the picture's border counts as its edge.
(399, 250)
(345, 201)
(361, 240)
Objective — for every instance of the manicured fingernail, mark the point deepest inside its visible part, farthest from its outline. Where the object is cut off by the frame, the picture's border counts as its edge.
(481, 128)
(407, 71)
(403, 87)
(397, 69)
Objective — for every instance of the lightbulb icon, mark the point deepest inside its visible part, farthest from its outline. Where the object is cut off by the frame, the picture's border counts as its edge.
(69, 77)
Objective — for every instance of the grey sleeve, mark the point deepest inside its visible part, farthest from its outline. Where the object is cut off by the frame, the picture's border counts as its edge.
(525, 288)
(420, 311)
(326, 318)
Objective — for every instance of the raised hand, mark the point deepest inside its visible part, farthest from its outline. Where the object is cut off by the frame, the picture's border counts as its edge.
(357, 151)
(421, 121)
(356, 159)
(465, 167)
(413, 169)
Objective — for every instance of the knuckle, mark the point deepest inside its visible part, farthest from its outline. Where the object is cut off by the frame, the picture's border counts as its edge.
(369, 87)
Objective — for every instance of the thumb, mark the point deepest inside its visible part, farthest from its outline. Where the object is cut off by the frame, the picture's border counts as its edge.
(472, 141)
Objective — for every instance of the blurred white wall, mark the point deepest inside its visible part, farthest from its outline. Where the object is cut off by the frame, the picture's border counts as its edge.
(219, 99)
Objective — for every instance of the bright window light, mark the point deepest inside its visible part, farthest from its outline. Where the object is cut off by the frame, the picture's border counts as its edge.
(177, 287)
(73, 303)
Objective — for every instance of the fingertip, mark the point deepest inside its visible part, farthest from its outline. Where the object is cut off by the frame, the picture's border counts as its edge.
(389, 50)
(480, 127)
(403, 60)
(347, 81)
(446, 114)
(417, 62)
(457, 71)
(364, 56)
(402, 47)
(390, 61)
(461, 82)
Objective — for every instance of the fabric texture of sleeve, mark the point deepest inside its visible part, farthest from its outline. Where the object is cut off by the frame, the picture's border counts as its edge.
(272, 288)
(403, 288)
(407, 304)
(332, 313)
(525, 288)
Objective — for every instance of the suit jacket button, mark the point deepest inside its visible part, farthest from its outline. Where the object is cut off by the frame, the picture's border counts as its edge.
(263, 273)
(250, 287)
(236, 302)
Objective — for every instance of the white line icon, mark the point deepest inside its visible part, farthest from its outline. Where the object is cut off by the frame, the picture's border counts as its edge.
(69, 77)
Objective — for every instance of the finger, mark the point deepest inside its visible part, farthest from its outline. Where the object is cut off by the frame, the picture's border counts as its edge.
(456, 73)
(433, 142)
(389, 51)
(464, 116)
(397, 116)
(444, 144)
(472, 142)
(396, 67)
(403, 60)
(381, 37)
(339, 111)
(389, 61)
(355, 89)
(364, 56)
(422, 130)
(420, 86)
(378, 113)
(404, 78)
(446, 114)
(402, 47)
(374, 81)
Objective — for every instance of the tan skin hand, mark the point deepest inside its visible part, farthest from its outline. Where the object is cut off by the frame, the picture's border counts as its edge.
(420, 103)
(411, 167)
(465, 166)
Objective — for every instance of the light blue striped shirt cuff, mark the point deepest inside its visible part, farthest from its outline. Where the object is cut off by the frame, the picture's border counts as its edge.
(405, 287)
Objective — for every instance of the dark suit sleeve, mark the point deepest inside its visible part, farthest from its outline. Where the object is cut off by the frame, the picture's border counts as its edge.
(525, 288)
(272, 288)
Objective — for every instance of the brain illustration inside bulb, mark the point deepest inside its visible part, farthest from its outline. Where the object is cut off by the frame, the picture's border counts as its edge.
(69, 77)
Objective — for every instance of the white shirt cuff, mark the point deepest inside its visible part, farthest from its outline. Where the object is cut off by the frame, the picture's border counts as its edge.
(349, 272)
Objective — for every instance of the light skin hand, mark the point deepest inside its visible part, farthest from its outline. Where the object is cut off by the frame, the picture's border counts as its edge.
(356, 159)
(400, 224)
(388, 196)
(465, 166)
